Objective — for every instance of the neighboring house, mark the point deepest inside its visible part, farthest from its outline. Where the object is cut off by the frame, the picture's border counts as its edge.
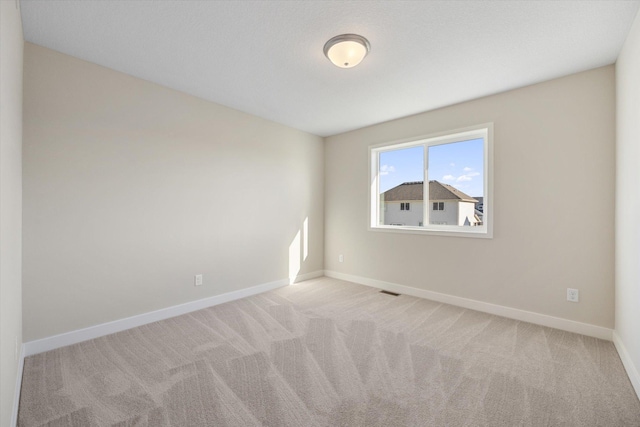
(403, 205)
(480, 204)
(479, 207)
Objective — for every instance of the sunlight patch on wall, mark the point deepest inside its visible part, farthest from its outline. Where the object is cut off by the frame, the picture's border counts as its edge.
(294, 258)
(305, 238)
(298, 251)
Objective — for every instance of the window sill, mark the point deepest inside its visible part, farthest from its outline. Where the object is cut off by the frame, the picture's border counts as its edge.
(451, 231)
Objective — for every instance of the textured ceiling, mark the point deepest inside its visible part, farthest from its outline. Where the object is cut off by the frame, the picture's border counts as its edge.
(265, 57)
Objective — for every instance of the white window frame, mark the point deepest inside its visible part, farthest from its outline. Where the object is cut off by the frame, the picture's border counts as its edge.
(484, 131)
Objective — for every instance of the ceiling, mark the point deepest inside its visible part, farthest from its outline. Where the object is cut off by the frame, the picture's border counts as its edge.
(265, 57)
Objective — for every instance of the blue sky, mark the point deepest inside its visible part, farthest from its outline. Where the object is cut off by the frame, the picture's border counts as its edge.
(458, 164)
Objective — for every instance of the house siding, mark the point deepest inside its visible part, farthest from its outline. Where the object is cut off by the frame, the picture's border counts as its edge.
(393, 214)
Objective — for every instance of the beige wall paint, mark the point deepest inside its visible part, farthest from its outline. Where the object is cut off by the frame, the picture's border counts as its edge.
(11, 50)
(554, 203)
(628, 198)
(130, 189)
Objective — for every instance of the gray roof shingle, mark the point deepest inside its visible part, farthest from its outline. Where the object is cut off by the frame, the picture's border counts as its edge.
(437, 191)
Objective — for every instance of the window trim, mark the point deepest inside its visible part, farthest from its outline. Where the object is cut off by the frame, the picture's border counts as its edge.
(485, 131)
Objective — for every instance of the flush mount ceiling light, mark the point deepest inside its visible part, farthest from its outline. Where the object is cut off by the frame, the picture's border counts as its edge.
(346, 50)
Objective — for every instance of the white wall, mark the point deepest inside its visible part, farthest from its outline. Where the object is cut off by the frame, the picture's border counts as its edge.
(466, 212)
(130, 189)
(554, 145)
(454, 213)
(11, 50)
(414, 216)
(628, 204)
(448, 216)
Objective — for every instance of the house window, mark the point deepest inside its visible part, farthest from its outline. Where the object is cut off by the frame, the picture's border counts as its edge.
(454, 168)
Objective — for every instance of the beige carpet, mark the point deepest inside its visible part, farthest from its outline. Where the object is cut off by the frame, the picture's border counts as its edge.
(331, 353)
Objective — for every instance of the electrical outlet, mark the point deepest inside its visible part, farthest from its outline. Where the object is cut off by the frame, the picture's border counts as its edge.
(340, 258)
(572, 295)
(198, 280)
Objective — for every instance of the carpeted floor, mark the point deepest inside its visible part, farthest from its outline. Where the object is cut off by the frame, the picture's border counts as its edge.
(331, 353)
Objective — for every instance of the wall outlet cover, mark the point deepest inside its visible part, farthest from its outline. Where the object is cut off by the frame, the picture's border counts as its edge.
(572, 295)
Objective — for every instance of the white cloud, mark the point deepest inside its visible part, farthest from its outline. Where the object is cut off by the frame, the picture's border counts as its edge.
(448, 178)
(467, 176)
(386, 169)
(467, 169)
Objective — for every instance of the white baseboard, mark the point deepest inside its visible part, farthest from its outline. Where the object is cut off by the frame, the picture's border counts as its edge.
(627, 362)
(499, 310)
(73, 337)
(16, 393)
(307, 276)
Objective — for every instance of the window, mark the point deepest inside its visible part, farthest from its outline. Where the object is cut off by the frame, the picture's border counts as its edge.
(452, 170)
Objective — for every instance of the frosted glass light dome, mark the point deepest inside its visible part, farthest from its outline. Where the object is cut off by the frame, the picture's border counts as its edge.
(346, 50)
